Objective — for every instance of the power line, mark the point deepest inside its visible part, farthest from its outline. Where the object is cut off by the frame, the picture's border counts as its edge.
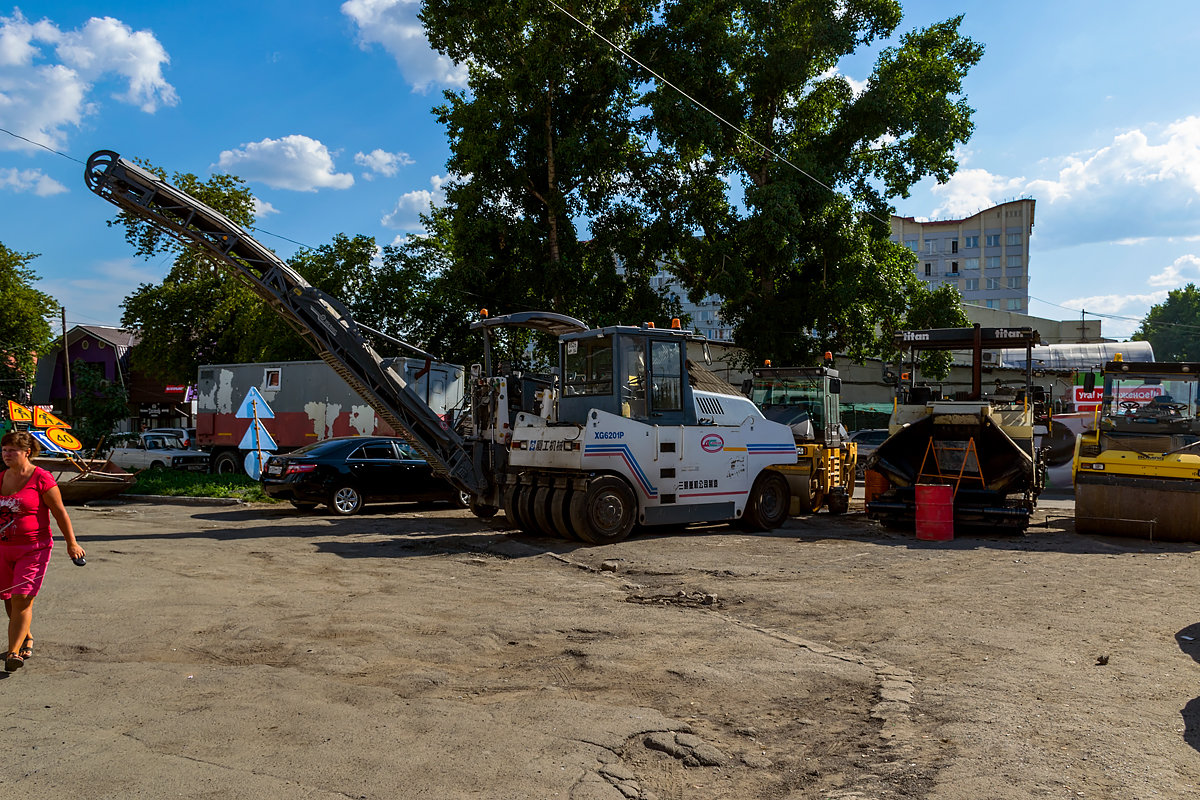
(43, 146)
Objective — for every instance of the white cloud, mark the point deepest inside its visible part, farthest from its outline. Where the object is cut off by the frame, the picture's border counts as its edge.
(382, 162)
(1173, 276)
(262, 208)
(971, 190)
(407, 213)
(294, 162)
(30, 180)
(47, 76)
(394, 25)
(1144, 185)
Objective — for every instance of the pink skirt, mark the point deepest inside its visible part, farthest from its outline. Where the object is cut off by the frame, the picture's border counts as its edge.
(22, 567)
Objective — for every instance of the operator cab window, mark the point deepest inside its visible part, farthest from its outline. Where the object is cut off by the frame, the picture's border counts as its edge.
(633, 377)
(588, 367)
(666, 370)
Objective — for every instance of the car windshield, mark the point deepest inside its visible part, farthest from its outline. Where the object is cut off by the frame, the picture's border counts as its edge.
(318, 448)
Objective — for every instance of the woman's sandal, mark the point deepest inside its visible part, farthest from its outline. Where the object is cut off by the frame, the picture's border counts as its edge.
(26, 650)
(13, 662)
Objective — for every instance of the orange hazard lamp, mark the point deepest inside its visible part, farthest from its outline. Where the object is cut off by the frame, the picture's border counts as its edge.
(675, 326)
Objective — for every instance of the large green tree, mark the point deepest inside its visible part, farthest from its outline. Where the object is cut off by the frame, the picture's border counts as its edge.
(25, 325)
(1173, 326)
(545, 210)
(802, 268)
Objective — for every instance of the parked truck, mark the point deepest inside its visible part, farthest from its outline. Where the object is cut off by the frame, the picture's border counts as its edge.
(627, 429)
(309, 401)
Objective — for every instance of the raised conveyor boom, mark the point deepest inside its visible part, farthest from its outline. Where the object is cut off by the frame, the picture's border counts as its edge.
(320, 319)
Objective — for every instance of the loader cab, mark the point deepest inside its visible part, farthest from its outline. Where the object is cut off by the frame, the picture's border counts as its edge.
(806, 399)
(637, 373)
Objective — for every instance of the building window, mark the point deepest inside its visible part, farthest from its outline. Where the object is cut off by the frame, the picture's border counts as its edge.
(1014, 240)
(954, 245)
(993, 240)
(993, 283)
(929, 246)
(928, 270)
(1015, 261)
(1014, 282)
(971, 284)
(911, 244)
(971, 263)
(993, 262)
(971, 241)
(989, 303)
(1014, 304)
(953, 267)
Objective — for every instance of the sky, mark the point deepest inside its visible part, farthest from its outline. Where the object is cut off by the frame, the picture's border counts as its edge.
(325, 109)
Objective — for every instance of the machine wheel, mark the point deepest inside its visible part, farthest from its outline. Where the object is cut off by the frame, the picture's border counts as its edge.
(511, 510)
(605, 512)
(839, 502)
(345, 501)
(299, 506)
(482, 510)
(541, 511)
(525, 497)
(769, 500)
(226, 463)
(560, 514)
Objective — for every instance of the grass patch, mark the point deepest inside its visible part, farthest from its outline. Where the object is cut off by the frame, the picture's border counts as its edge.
(175, 483)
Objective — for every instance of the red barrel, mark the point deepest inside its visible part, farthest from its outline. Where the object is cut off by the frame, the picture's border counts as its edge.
(935, 512)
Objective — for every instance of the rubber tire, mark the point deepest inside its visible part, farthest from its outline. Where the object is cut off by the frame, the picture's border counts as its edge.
(529, 523)
(540, 505)
(157, 465)
(560, 514)
(605, 512)
(299, 506)
(839, 503)
(345, 501)
(483, 510)
(511, 511)
(461, 500)
(226, 463)
(770, 499)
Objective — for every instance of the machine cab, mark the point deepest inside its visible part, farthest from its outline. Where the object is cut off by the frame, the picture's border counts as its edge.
(639, 373)
(806, 399)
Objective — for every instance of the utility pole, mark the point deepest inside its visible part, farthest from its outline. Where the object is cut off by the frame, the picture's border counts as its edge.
(67, 362)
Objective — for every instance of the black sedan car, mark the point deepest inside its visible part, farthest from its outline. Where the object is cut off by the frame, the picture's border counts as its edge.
(347, 472)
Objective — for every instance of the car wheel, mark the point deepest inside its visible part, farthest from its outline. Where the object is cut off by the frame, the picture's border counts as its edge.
(157, 465)
(462, 500)
(303, 506)
(345, 501)
(226, 464)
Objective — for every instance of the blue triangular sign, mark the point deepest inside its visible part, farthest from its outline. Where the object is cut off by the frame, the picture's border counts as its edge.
(257, 438)
(254, 405)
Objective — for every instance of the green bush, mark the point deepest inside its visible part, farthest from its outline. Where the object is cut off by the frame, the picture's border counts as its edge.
(191, 484)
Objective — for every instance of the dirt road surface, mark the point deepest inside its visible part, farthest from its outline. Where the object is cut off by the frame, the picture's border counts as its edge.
(257, 652)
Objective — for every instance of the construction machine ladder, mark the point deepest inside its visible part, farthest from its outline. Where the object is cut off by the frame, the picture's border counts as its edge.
(320, 319)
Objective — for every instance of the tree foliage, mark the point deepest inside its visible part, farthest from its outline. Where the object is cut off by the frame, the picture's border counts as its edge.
(98, 404)
(25, 326)
(542, 144)
(802, 268)
(1173, 326)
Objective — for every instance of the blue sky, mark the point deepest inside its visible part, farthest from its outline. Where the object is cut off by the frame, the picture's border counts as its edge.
(325, 109)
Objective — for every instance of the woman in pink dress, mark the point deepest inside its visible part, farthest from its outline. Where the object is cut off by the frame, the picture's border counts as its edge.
(28, 498)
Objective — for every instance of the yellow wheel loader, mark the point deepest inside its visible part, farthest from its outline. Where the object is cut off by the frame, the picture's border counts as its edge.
(806, 400)
(1137, 472)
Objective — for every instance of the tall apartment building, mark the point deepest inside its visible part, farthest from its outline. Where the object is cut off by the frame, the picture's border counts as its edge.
(705, 314)
(985, 256)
